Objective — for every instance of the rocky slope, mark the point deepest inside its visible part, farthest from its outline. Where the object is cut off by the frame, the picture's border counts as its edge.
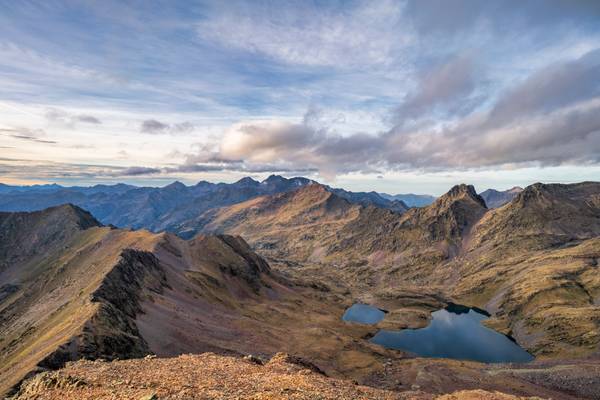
(314, 226)
(201, 377)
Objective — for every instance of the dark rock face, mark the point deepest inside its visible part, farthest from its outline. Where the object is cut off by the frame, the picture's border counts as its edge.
(112, 333)
(7, 289)
(256, 264)
(466, 191)
(551, 214)
(253, 266)
(122, 286)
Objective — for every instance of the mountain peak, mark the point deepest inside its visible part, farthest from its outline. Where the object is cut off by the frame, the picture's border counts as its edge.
(82, 218)
(462, 191)
(247, 181)
(36, 232)
(461, 188)
(274, 179)
(177, 185)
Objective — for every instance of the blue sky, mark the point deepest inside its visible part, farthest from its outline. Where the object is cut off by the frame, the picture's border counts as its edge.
(391, 96)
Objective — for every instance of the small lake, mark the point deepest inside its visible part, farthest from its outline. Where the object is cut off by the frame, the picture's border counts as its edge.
(455, 332)
(364, 314)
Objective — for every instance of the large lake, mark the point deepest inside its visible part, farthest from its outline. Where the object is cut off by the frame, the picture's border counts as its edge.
(455, 332)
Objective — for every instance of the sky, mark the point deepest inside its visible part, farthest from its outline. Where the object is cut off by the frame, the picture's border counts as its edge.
(392, 96)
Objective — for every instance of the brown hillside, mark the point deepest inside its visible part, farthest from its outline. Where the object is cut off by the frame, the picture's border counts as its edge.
(530, 263)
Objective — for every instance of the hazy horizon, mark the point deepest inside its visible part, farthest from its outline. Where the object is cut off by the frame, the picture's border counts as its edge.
(154, 184)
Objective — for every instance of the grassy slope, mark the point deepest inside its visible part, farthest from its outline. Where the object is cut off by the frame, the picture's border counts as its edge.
(55, 304)
(532, 262)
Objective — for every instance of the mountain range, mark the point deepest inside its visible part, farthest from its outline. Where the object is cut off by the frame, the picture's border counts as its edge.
(265, 267)
(171, 207)
(164, 208)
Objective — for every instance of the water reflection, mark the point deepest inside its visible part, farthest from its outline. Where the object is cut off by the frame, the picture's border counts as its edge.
(457, 335)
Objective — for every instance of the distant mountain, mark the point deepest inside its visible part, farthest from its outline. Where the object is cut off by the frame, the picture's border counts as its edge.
(10, 188)
(495, 198)
(371, 199)
(165, 208)
(411, 200)
(292, 222)
(314, 223)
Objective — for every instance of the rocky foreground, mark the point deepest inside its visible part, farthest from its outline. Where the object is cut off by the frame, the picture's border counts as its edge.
(210, 376)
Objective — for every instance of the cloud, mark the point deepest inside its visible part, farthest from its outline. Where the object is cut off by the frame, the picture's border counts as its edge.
(59, 171)
(448, 84)
(267, 141)
(569, 135)
(154, 127)
(435, 17)
(69, 119)
(554, 86)
(475, 85)
(31, 135)
(526, 125)
(33, 139)
(240, 167)
(122, 154)
(365, 33)
(90, 119)
(135, 171)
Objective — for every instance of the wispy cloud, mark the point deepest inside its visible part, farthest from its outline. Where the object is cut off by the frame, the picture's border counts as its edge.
(447, 85)
(31, 135)
(299, 33)
(134, 171)
(62, 116)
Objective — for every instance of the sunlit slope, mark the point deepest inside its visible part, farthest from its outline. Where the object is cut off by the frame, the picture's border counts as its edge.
(532, 263)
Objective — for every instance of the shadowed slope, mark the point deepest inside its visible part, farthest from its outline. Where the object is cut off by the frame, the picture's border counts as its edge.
(30, 234)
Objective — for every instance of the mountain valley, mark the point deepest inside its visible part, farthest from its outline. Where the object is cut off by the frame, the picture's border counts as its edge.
(275, 272)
